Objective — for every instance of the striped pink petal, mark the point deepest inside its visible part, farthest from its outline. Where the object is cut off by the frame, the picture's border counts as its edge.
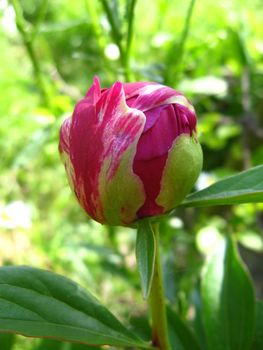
(100, 133)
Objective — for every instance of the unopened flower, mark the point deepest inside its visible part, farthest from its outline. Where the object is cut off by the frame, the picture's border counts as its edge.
(130, 151)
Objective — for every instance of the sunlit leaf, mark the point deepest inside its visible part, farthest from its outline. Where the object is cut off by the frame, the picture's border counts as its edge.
(245, 187)
(208, 85)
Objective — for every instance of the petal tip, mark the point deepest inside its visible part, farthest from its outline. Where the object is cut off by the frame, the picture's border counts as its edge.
(94, 92)
(117, 88)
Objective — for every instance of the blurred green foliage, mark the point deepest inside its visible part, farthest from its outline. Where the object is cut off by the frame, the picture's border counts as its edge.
(50, 51)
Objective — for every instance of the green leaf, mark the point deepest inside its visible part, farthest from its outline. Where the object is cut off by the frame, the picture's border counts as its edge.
(39, 303)
(51, 344)
(197, 322)
(245, 187)
(140, 325)
(181, 335)
(77, 346)
(7, 341)
(258, 338)
(145, 255)
(228, 301)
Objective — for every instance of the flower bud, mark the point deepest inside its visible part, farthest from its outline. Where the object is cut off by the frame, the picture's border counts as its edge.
(130, 151)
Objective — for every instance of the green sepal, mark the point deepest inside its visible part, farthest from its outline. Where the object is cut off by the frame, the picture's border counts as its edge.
(182, 168)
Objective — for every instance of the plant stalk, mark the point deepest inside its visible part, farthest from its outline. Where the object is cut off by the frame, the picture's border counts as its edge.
(129, 38)
(160, 337)
(176, 52)
(28, 37)
(117, 36)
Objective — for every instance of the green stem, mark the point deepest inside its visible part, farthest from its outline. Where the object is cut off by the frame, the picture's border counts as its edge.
(175, 54)
(157, 301)
(117, 37)
(94, 18)
(27, 38)
(186, 29)
(40, 18)
(129, 35)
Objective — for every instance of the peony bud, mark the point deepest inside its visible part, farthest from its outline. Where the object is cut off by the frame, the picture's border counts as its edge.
(130, 151)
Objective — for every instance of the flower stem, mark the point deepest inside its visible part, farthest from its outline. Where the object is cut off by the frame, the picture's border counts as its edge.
(117, 35)
(157, 301)
(28, 37)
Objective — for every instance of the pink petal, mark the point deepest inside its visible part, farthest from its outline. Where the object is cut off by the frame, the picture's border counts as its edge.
(151, 96)
(64, 136)
(164, 124)
(101, 133)
(158, 139)
(64, 149)
(132, 89)
(94, 92)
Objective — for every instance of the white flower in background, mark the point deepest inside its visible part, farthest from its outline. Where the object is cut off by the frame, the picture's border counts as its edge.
(16, 214)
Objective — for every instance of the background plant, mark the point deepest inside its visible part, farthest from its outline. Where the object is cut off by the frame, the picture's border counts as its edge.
(49, 54)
